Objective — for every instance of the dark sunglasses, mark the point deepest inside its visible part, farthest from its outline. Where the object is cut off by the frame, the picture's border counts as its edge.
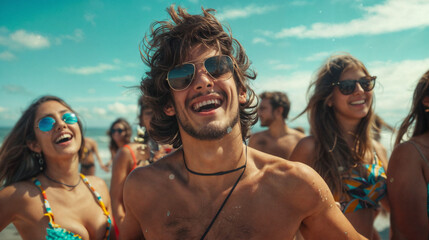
(119, 130)
(218, 67)
(347, 87)
(47, 123)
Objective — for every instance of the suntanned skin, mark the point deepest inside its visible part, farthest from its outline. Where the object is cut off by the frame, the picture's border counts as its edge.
(408, 177)
(92, 147)
(363, 219)
(75, 209)
(279, 140)
(122, 165)
(273, 199)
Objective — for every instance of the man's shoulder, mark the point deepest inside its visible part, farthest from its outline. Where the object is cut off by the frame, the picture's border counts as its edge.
(273, 166)
(155, 171)
(260, 134)
(291, 179)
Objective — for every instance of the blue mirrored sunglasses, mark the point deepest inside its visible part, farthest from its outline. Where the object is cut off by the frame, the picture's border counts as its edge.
(47, 123)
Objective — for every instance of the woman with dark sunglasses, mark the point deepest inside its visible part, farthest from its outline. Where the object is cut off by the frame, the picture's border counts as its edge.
(39, 176)
(408, 172)
(120, 134)
(341, 148)
(142, 152)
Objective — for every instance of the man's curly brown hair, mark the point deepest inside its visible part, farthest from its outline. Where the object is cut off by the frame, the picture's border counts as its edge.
(169, 45)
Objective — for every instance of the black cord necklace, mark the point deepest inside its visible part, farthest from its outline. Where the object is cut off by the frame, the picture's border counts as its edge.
(216, 173)
(229, 194)
(65, 184)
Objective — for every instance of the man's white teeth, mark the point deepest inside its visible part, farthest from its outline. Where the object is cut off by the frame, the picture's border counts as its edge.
(62, 137)
(205, 103)
(359, 102)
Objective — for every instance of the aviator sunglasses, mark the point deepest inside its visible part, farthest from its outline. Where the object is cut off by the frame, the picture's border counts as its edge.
(47, 123)
(347, 87)
(218, 67)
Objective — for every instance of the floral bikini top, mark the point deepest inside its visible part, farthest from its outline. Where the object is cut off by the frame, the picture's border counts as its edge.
(55, 231)
(363, 192)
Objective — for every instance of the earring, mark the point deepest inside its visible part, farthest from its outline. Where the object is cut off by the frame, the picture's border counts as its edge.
(39, 159)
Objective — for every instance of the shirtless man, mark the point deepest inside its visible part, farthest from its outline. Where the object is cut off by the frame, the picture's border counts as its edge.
(213, 186)
(279, 140)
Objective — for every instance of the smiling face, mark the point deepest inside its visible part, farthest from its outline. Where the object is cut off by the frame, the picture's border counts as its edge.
(354, 106)
(208, 108)
(118, 133)
(63, 140)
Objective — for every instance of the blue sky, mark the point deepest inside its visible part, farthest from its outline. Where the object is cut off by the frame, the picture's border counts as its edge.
(86, 52)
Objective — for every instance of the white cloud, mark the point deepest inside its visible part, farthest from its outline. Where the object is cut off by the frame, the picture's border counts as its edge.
(100, 111)
(126, 78)
(250, 10)
(7, 56)
(317, 56)
(15, 89)
(77, 36)
(120, 108)
(261, 40)
(90, 18)
(23, 39)
(30, 40)
(100, 68)
(146, 8)
(392, 16)
(396, 82)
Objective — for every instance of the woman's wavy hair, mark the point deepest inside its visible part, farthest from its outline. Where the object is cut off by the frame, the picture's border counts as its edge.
(333, 156)
(417, 118)
(128, 132)
(17, 161)
(169, 45)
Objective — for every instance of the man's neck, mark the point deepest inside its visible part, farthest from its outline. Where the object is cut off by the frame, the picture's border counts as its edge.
(214, 155)
(278, 129)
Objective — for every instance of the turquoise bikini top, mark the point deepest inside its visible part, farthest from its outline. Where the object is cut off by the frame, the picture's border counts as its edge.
(55, 231)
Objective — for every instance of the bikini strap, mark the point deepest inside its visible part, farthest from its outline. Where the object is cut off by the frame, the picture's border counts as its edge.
(102, 205)
(48, 209)
(420, 151)
(132, 154)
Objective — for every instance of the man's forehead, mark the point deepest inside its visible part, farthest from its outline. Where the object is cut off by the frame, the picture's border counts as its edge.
(200, 52)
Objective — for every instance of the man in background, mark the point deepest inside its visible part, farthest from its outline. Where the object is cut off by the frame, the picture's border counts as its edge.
(278, 139)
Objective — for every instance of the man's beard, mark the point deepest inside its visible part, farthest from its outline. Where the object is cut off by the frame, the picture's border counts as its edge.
(208, 132)
(267, 122)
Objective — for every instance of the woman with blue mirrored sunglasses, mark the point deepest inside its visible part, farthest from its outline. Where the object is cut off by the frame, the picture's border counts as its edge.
(45, 163)
(47, 123)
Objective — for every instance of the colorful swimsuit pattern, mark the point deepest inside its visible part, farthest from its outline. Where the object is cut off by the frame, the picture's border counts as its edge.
(427, 162)
(55, 231)
(364, 192)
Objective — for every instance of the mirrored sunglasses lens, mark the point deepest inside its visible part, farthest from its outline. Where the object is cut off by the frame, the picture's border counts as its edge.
(181, 77)
(347, 87)
(46, 124)
(219, 67)
(70, 118)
